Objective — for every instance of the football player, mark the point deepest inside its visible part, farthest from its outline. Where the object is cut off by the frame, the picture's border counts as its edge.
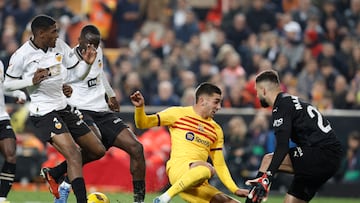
(7, 139)
(195, 136)
(317, 155)
(88, 97)
(40, 65)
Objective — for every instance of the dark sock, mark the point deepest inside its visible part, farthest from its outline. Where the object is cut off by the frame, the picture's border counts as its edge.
(66, 179)
(58, 171)
(78, 185)
(259, 174)
(139, 190)
(7, 177)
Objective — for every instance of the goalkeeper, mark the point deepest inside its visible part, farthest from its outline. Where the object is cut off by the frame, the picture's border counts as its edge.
(314, 160)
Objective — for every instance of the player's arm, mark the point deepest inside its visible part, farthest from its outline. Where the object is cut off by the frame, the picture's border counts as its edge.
(78, 63)
(141, 119)
(222, 170)
(112, 102)
(14, 79)
(282, 135)
(217, 157)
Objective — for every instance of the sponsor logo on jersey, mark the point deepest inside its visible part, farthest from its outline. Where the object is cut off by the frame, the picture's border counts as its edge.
(189, 136)
(278, 122)
(201, 141)
(92, 82)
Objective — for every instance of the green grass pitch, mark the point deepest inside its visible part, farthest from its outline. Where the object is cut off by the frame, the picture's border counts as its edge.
(46, 197)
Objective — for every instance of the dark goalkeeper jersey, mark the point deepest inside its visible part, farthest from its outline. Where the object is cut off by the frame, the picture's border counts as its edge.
(302, 123)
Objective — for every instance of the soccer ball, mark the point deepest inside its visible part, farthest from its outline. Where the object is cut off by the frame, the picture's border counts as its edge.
(97, 197)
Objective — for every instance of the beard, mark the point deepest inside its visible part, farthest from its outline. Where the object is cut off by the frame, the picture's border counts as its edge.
(264, 103)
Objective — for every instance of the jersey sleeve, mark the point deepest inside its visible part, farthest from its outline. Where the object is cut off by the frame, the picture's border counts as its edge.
(16, 66)
(14, 74)
(282, 124)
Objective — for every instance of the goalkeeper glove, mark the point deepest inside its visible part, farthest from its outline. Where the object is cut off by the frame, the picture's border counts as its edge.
(260, 189)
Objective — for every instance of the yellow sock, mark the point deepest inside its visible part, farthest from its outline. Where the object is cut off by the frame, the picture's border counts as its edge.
(192, 177)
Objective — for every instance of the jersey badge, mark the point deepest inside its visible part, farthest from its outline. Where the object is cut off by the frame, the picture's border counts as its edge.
(189, 136)
(99, 63)
(57, 125)
(201, 128)
(58, 57)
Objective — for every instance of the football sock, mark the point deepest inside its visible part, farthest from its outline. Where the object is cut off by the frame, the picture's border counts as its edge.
(58, 171)
(139, 190)
(7, 177)
(192, 177)
(78, 185)
(66, 180)
(259, 174)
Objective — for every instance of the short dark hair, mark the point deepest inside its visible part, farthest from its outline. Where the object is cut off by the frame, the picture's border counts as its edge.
(89, 29)
(206, 88)
(41, 22)
(268, 75)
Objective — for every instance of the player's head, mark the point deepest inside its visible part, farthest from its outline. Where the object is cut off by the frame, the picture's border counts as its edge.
(267, 82)
(44, 30)
(208, 98)
(89, 35)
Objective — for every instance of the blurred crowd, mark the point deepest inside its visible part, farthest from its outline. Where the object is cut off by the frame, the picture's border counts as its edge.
(165, 48)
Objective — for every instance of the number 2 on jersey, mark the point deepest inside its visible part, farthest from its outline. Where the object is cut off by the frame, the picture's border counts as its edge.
(311, 110)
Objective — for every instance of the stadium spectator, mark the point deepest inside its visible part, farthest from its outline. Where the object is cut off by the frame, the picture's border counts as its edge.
(350, 170)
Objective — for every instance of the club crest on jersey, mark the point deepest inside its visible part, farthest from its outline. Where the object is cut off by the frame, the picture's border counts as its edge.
(201, 128)
(189, 136)
(57, 125)
(58, 57)
(99, 63)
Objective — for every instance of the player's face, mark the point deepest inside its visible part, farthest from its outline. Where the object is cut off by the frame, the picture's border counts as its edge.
(50, 36)
(260, 90)
(89, 39)
(212, 104)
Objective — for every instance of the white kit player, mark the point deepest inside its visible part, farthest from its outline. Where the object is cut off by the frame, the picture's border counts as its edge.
(41, 65)
(7, 139)
(88, 96)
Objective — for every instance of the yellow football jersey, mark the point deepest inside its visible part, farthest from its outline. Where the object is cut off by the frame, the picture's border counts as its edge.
(192, 137)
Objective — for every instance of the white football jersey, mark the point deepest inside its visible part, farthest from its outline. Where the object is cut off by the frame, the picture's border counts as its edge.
(3, 114)
(89, 94)
(46, 96)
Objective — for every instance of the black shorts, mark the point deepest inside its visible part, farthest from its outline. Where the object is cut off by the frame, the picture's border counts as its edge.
(6, 130)
(58, 122)
(109, 124)
(313, 166)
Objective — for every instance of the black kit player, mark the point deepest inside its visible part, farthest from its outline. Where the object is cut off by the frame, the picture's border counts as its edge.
(318, 153)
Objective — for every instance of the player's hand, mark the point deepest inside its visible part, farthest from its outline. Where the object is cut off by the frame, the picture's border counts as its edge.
(137, 99)
(21, 98)
(67, 90)
(89, 54)
(40, 75)
(241, 192)
(113, 104)
(260, 189)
